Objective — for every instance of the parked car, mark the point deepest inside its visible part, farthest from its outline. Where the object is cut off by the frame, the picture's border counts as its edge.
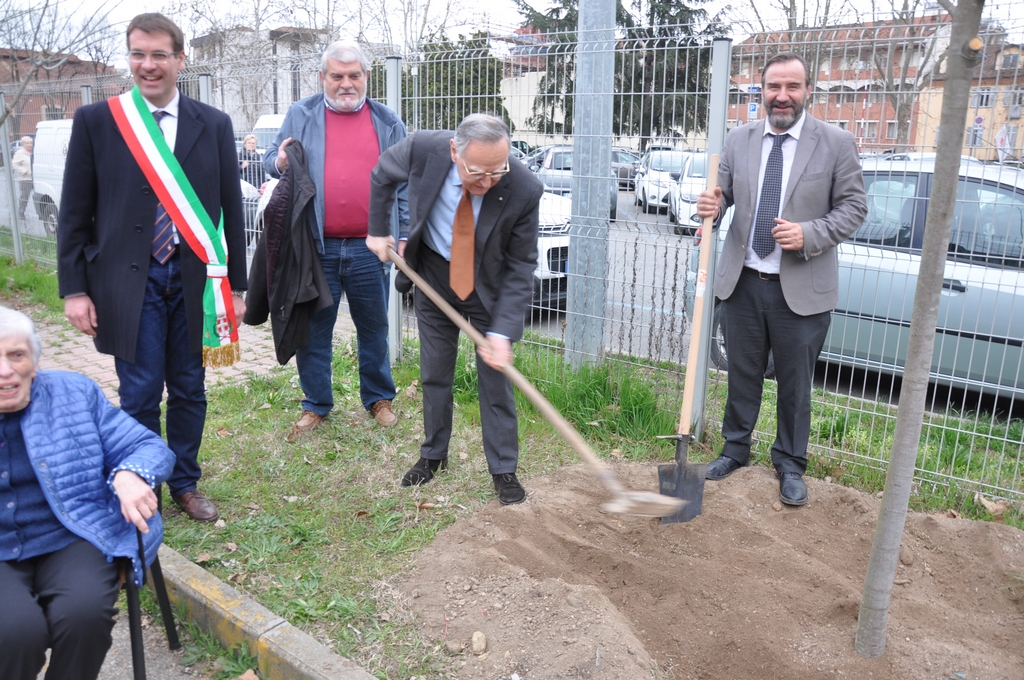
(536, 155)
(266, 129)
(549, 279)
(49, 156)
(657, 172)
(624, 163)
(522, 146)
(555, 170)
(978, 342)
(682, 197)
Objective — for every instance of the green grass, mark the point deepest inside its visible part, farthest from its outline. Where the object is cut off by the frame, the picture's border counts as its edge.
(851, 439)
(31, 284)
(316, 530)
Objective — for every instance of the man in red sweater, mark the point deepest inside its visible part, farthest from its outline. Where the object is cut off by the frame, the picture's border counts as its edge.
(343, 132)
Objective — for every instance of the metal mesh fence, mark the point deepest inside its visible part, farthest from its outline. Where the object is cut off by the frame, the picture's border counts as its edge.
(623, 234)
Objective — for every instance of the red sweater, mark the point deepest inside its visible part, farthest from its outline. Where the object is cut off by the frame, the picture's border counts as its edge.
(351, 152)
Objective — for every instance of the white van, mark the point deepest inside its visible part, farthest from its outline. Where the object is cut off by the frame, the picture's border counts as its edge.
(266, 129)
(48, 159)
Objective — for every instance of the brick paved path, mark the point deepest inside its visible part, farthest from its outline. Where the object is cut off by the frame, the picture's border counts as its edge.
(67, 349)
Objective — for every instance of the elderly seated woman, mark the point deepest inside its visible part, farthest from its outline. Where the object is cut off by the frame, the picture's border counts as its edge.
(76, 479)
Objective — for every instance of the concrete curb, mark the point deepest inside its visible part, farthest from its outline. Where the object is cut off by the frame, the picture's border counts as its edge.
(283, 652)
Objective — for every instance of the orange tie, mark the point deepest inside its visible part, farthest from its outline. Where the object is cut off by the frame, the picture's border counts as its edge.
(460, 272)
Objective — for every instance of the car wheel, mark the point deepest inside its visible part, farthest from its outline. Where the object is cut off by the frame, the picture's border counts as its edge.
(671, 214)
(50, 219)
(717, 352)
(636, 195)
(645, 204)
(614, 213)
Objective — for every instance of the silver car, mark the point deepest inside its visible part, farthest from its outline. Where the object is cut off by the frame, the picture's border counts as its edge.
(978, 343)
(554, 168)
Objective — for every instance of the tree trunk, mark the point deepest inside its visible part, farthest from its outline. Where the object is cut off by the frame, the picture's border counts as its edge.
(874, 608)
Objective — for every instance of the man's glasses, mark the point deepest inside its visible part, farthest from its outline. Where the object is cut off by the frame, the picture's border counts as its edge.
(158, 58)
(476, 174)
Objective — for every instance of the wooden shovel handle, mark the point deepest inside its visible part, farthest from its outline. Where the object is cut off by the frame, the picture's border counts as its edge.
(697, 319)
(559, 422)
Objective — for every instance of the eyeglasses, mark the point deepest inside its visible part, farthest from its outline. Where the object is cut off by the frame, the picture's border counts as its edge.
(476, 174)
(158, 58)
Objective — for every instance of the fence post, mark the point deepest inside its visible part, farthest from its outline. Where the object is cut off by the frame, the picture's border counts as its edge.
(591, 183)
(206, 88)
(718, 109)
(12, 191)
(86, 95)
(393, 84)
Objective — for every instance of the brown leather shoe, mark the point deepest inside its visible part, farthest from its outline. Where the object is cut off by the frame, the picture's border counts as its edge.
(383, 413)
(197, 506)
(307, 422)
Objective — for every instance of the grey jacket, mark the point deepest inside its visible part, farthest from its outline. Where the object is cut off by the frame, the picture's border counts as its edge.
(305, 123)
(825, 195)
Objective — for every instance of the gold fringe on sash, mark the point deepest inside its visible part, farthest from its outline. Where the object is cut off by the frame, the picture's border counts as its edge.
(225, 355)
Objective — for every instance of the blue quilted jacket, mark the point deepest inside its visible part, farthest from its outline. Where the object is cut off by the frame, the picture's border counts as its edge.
(76, 441)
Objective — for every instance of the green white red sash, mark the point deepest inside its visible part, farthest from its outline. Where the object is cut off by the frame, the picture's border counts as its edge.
(147, 144)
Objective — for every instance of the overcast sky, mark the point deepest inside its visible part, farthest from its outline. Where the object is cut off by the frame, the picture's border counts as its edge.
(502, 13)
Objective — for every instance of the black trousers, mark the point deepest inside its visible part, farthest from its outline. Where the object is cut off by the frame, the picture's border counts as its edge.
(439, 346)
(64, 601)
(757, 321)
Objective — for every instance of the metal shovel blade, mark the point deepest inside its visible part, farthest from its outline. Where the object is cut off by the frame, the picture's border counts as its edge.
(682, 480)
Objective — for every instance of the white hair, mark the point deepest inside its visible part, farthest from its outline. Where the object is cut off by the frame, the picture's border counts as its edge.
(344, 51)
(13, 322)
(480, 127)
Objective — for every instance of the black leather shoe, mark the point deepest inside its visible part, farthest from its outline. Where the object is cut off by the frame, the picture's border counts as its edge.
(792, 490)
(721, 467)
(510, 491)
(423, 471)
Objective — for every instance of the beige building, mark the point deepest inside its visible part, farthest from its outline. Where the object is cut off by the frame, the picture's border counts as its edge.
(993, 129)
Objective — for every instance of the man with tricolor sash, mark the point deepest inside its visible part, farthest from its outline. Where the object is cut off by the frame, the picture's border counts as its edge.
(151, 245)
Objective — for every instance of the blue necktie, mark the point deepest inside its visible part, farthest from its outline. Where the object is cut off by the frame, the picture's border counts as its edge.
(768, 206)
(163, 229)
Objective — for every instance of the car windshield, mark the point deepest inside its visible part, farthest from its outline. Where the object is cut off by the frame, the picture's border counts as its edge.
(665, 161)
(699, 166)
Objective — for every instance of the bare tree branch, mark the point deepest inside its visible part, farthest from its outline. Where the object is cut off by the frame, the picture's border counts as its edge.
(44, 37)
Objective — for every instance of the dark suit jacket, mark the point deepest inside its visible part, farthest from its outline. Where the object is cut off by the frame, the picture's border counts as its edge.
(825, 195)
(107, 211)
(506, 230)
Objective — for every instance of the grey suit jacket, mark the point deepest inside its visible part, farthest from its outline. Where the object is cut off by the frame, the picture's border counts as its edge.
(506, 230)
(825, 195)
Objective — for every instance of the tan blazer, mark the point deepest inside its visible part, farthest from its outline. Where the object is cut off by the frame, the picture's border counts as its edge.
(825, 195)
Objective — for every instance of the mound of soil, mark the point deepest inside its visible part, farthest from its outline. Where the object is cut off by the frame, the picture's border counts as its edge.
(749, 589)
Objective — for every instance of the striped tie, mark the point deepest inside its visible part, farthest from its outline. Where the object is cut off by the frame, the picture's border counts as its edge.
(163, 229)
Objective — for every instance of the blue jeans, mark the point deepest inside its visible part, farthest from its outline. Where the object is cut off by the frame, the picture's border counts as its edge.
(162, 357)
(355, 271)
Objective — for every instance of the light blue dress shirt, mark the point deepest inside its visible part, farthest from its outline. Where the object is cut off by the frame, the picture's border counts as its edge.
(442, 215)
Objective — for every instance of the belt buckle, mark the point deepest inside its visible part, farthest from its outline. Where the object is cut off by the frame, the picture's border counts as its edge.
(764, 276)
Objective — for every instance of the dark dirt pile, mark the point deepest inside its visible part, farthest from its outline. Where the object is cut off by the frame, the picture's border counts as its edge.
(750, 589)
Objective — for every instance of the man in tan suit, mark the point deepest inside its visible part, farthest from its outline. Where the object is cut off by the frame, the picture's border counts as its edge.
(798, 190)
